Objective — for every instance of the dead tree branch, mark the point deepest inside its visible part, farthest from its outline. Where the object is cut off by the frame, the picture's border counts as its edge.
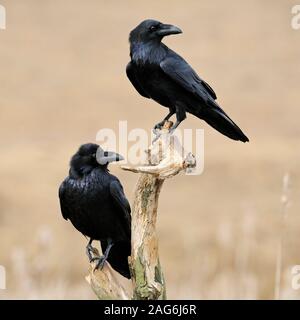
(166, 158)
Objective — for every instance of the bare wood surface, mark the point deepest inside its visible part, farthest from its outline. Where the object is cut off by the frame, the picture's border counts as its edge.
(104, 282)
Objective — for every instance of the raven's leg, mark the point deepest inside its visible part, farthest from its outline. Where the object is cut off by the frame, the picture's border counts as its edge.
(161, 123)
(102, 259)
(180, 116)
(89, 250)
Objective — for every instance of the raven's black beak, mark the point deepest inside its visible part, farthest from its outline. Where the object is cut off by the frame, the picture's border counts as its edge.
(167, 29)
(107, 157)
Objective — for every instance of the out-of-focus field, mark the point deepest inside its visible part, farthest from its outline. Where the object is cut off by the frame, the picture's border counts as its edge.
(63, 78)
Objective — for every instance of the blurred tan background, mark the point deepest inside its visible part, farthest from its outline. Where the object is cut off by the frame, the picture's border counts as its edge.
(63, 78)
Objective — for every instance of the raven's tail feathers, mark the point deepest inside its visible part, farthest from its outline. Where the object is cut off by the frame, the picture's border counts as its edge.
(219, 120)
(118, 256)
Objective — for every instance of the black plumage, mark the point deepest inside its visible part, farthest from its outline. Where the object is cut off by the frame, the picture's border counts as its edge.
(159, 73)
(94, 201)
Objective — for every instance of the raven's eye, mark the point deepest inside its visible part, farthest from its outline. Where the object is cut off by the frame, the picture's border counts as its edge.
(94, 155)
(153, 28)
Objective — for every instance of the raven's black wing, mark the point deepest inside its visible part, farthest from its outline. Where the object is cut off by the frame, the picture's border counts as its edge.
(132, 77)
(182, 73)
(118, 255)
(63, 207)
(119, 198)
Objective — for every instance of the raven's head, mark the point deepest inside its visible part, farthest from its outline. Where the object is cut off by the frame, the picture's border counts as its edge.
(90, 156)
(152, 31)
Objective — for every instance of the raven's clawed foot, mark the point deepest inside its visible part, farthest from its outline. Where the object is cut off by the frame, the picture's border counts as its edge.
(159, 125)
(174, 127)
(165, 124)
(172, 130)
(156, 130)
(100, 262)
(90, 251)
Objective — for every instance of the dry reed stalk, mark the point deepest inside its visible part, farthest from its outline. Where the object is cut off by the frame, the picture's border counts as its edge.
(283, 215)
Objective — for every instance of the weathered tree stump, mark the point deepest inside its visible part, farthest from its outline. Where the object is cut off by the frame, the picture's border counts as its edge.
(166, 158)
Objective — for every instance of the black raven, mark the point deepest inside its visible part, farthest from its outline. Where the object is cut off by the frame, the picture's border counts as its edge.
(94, 201)
(161, 74)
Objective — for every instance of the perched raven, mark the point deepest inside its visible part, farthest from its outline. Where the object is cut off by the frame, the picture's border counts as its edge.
(161, 74)
(94, 201)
